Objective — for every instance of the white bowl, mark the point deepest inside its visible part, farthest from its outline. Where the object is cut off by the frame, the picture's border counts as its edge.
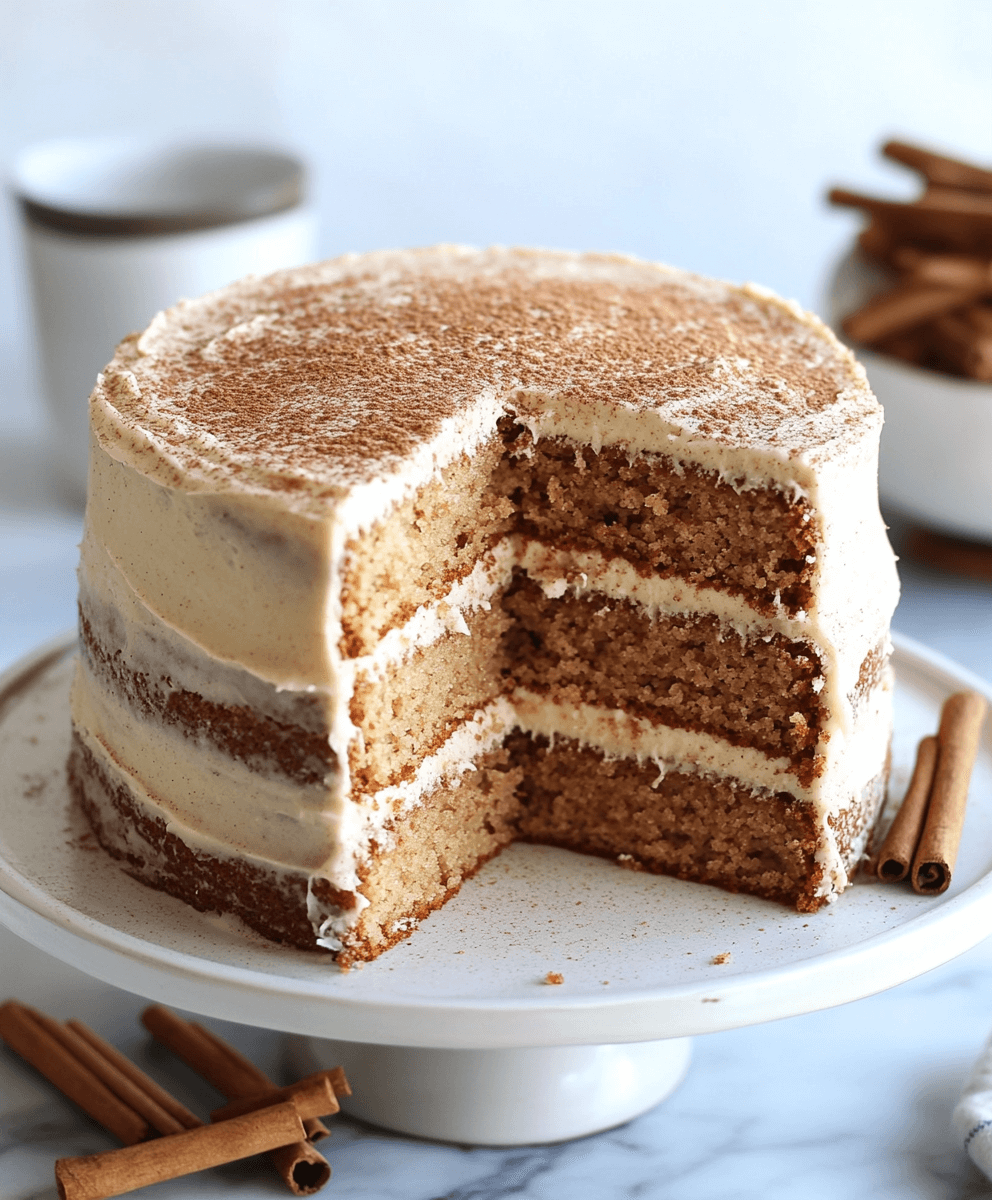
(935, 462)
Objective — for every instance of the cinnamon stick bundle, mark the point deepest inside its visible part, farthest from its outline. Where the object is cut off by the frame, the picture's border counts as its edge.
(99, 1176)
(129, 1104)
(939, 247)
(302, 1167)
(960, 730)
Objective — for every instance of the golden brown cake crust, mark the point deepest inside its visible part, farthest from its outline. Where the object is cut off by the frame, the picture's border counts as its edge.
(238, 731)
(273, 905)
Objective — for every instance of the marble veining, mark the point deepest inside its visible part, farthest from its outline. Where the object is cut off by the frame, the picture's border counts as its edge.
(852, 1101)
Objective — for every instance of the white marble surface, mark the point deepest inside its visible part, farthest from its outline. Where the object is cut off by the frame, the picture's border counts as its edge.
(853, 1101)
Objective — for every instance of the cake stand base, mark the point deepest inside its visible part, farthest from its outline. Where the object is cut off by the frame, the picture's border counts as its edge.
(513, 1097)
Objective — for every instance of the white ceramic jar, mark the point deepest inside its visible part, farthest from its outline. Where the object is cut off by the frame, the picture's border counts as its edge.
(117, 229)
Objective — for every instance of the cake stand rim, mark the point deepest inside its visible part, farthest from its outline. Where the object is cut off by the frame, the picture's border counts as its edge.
(888, 958)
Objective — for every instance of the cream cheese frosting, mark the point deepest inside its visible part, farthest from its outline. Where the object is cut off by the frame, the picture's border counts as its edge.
(312, 383)
(223, 808)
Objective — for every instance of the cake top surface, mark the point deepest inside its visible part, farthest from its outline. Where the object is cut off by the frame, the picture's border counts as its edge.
(320, 378)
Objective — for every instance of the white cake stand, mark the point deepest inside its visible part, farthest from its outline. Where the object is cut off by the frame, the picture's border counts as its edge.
(455, 1034)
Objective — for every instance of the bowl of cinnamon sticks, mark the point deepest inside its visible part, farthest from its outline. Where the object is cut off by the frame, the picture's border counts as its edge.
(913, 298)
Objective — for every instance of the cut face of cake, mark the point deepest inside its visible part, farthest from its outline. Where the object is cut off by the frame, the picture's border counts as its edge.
(392, 560)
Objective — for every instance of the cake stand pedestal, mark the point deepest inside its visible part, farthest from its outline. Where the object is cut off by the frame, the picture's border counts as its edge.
(501, 1097)
(456, 1034)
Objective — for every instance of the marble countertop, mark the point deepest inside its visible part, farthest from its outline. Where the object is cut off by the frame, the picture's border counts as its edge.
(851, 1101)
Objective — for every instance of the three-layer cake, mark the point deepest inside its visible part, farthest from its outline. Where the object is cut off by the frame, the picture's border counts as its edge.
(392, 560)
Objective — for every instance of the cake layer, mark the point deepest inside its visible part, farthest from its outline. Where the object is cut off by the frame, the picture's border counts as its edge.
(263, 434)
(406, 710)
(215, 799)
(217, 806)
(665, 517)
(444, 842)
(430, 540)
(242, 732)
(684, 672)
(695, 826)
(691, 825)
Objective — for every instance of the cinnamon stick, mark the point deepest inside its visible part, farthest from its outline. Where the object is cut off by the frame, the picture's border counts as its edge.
(953, 200)
(339, 1081)
(148, 1085)
(905, 306)
(25, 1035)
(313, 1097)
(939, 168)
(935, 224)
(301, 1166)
(241, 1061)
(98, 1176)
(960, 730)
(965, 271)
(198, 1050)
(315, 1129)
(896, 855)
(303, 1169)
(961, 347)
(876, 240)
(124, 1088)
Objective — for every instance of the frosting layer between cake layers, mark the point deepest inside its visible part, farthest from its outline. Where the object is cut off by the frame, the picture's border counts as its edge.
(233, 709)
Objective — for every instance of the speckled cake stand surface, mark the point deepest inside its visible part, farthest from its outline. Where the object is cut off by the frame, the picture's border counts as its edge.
(455, 1034)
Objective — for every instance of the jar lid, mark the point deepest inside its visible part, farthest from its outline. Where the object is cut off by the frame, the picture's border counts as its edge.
(125, 187)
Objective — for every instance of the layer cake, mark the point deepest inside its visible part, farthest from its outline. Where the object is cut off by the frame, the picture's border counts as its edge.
(392, 560)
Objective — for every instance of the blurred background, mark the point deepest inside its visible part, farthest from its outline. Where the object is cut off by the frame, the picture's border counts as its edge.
(703, 135)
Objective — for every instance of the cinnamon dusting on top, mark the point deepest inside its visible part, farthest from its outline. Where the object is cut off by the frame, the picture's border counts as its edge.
(327, 376)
